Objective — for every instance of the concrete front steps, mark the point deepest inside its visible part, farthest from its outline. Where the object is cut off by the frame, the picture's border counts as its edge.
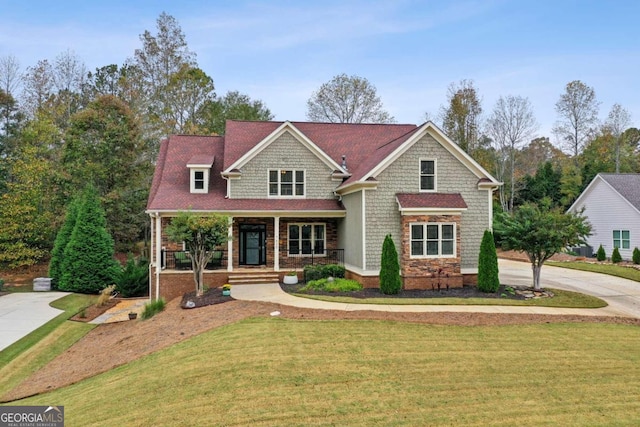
(253, 278)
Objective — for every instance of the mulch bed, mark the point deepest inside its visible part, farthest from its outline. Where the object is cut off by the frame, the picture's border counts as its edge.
(93, 311)
(210, 297)
(463, 292)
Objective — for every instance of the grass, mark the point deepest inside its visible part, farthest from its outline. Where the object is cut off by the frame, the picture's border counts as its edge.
(266, 371)
(334, 285)
(610, 269)
(34, 351)
(152, 308)
(561, 299)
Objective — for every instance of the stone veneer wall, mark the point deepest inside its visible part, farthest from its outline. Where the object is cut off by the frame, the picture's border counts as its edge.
(429, 273)
(286, 152)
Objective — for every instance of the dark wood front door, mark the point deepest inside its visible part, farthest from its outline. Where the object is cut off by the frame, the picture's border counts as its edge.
(253, 238)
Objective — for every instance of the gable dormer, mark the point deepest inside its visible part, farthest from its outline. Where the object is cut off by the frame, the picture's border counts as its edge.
(199, 173)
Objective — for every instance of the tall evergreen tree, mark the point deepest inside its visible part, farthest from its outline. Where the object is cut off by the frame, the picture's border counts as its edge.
(390, 281)
(88, 265)
(62, 240)
(488, 280)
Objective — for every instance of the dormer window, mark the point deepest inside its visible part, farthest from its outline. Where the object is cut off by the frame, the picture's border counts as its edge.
(199, 168)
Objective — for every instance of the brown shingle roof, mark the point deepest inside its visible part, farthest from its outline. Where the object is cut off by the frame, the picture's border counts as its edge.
(431, 200)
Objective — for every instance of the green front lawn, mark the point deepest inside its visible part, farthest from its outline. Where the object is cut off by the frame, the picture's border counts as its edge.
(610, 269)
(269, 371)
(561, 299)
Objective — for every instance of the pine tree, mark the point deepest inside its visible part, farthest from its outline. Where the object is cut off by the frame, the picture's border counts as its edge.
(390, 282)
(88, 265)
(62, 239)
(601, 255)
(636, 255)
(488, 280)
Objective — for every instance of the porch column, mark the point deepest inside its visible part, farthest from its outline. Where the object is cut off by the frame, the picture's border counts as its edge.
(230, 245)
(158, 252)
(276, 243)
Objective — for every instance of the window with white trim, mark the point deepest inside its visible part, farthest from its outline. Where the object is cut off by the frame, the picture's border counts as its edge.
(199, 180)
(621, 239)
(286, 183)
(427, 175)
(305, 239)
(433, 239)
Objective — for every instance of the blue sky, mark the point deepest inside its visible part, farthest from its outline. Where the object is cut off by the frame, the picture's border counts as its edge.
(281, 51)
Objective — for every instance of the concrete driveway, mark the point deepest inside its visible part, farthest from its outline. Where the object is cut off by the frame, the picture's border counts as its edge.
(622, 295)
(21, 313)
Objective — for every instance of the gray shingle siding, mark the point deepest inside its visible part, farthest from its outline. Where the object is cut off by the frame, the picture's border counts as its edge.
(350, 230)
(383, 216)
(284, 153)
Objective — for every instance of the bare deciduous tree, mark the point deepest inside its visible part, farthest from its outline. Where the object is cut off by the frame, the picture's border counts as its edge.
(617, 122)
(10, 75)
(347, 99)
(577, 109)
(511, 124)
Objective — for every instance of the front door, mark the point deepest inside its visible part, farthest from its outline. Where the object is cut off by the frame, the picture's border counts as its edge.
(253, 239)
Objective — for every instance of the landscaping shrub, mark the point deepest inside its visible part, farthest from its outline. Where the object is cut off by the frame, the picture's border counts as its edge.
(635, 257)
(335, 285)
(105, 295)
(320, 271)
(88, 264)
(488, 280)
(152, 308)
(615, 256)
(133, 280)
(601, 255)
(390, 281)
(1, 284)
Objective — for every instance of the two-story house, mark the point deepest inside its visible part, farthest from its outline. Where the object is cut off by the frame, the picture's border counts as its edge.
(297, 191)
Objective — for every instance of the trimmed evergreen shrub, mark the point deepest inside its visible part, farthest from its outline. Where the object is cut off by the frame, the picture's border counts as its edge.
(62, 239)
(133, 280)
(615, 256)
(635, 257)
(88, 265)
(390, 281)
(488, 280)
(322, 271)
(601, 255)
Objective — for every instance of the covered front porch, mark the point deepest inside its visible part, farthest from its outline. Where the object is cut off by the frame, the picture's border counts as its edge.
(260, 249)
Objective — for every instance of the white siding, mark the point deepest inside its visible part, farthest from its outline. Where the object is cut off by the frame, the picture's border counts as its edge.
(608, 211)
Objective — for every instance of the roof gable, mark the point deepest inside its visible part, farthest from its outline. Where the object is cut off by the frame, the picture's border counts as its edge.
(385, 155)
(274, 135)
(626, 185)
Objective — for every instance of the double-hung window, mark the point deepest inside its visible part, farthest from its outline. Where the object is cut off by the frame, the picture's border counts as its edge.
(427, 175)
(198, 180)
(286, 183)
(307, 239)
(432, 239)
(621, 239)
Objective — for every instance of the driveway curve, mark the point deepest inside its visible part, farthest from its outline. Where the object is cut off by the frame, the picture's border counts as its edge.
(622, 295)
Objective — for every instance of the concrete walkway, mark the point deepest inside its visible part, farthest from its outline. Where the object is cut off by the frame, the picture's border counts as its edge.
(273, 293)
(22, 313)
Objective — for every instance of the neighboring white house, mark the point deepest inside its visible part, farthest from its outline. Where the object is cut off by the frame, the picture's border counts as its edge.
(611, 202)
